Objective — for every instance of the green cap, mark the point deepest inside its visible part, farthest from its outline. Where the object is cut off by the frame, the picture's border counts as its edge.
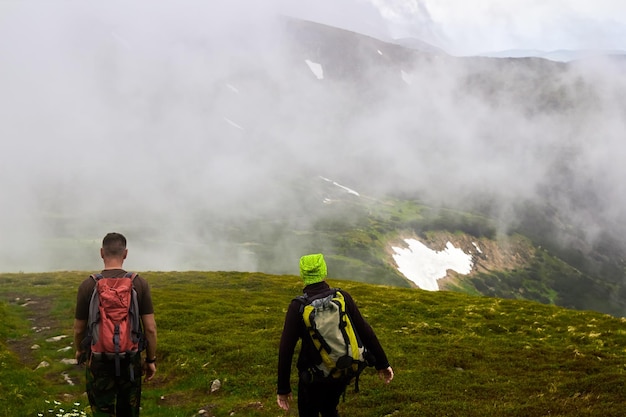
(312, 268)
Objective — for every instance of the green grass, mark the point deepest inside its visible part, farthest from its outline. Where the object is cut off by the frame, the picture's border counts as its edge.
(453, 354)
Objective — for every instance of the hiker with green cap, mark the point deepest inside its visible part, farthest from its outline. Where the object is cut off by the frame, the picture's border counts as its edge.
(319, 396)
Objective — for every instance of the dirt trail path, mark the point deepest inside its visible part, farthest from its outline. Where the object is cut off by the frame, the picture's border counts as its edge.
(38, 313)
(44, 331)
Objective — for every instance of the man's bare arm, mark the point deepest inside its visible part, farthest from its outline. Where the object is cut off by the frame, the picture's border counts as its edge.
(150, 331)
(80, 330)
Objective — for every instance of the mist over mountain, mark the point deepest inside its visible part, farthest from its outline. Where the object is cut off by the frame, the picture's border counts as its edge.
(179, 126)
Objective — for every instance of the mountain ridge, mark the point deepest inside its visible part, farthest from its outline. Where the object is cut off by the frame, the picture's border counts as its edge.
(562, 55)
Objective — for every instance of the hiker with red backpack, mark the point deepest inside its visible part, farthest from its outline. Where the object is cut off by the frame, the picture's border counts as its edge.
(114, 322)
(337, 344)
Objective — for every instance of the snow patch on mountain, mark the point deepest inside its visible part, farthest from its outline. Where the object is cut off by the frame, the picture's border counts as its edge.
(424, 266)
(343, 187)
(316, 69)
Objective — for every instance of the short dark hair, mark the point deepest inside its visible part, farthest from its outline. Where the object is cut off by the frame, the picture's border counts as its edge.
(114, 244)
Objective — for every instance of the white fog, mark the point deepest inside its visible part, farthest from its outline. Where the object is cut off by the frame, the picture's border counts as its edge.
(128, 116)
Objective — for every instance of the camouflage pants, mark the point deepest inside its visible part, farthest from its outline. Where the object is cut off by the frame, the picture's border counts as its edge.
(111, 395)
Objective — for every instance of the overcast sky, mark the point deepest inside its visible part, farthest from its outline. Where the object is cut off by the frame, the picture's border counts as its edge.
(469, 27)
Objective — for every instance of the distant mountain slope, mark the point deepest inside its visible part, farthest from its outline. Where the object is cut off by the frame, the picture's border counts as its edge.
(227, 136)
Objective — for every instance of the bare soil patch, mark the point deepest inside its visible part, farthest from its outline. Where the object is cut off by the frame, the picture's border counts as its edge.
(43, 325)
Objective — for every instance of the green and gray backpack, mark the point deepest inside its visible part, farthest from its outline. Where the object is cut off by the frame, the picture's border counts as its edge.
(341, 352)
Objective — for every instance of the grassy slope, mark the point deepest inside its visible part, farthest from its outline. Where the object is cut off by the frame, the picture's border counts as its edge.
(453, 354)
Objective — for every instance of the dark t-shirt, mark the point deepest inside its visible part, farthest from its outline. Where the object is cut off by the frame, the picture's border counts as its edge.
(144, 298)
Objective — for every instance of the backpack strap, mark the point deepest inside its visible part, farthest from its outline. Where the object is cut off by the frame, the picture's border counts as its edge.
(130, 275)
(136, 318)
(305, 298)
(94, 311)
(93, 317)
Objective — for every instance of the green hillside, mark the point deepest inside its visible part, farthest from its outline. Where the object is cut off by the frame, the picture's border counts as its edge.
(454, 354)
(539, 257)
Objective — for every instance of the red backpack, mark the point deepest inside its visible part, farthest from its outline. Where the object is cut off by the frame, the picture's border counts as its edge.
(114, 328)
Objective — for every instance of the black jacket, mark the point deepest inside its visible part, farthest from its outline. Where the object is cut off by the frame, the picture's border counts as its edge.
(295, 329)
